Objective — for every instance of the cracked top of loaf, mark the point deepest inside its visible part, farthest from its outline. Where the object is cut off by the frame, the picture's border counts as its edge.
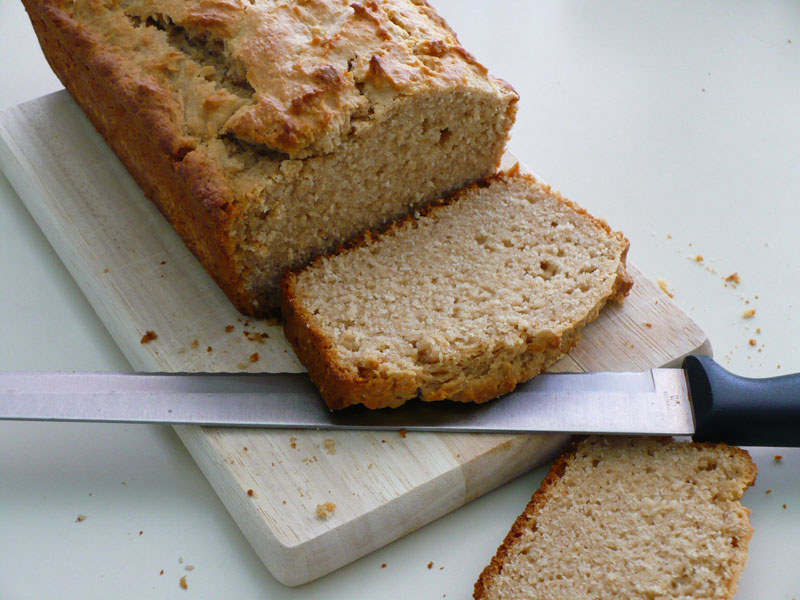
(289, 76)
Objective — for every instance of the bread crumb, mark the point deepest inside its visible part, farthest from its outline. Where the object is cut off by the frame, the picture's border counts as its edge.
(325, 510)
(254, 357)
(251, 493)
(383, 565)
(665, 287)
(648, 325)
(183, 583)
(699, 258)
(284, 501)
(228, 328)
(254, 336)
(242, 366)
(189, 567)
(778, 458)
(430, 565)
(758, 329)
(749, 313)
(244, 448)
(752, 342)
(149, 336)
(163, 262)
(293, 442)
(195, 343)
(784, 506)
(209, 349)
(403, 433)
(141, 532)
(161, 572)
(80, 518)
(768, 491)
(330, 445)
(180, 560)
(734, 278)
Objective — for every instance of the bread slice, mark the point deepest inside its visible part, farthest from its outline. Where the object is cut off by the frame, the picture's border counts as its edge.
(630, 518)
(477, 294)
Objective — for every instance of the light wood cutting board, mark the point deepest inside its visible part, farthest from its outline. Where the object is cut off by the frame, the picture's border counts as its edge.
(139, 277)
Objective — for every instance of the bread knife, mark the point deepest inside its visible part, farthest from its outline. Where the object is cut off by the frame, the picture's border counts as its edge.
(701, 399)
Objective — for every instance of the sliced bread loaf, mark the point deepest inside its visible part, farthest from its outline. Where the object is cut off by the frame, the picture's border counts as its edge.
(629, 518)
(477, 294)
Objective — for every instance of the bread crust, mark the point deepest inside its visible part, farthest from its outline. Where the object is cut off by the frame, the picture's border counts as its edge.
(340, 387)
(527, 521)
(137, 118)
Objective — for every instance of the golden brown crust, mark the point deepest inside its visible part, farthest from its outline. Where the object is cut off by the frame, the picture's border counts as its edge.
(340, 387)
(526, 522)
(137, 117)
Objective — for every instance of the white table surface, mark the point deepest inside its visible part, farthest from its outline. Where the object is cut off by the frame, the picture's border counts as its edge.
(678, 122)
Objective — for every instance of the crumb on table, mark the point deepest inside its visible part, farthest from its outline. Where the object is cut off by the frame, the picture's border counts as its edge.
(149, 336)
(734, 278)
(325, 510)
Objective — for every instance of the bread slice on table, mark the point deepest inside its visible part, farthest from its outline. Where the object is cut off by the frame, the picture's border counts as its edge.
(463, 302)
(629, 518)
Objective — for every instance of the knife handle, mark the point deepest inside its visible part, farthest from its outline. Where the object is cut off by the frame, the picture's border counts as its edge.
(742, 410)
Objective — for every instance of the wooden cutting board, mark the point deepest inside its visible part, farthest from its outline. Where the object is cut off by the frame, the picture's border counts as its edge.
(139, 277)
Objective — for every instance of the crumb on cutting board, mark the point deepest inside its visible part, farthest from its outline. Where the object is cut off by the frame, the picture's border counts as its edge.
(251, 493)
(403, 433)
(752, 342)
(430, 565)
(183, 583)
(80, 518)
(778, 458)
(749, 313)
(195, 343)
(149, 336)
(330, 445)
(254, 357)
(325, 510)
(665, 287)
(228, 328)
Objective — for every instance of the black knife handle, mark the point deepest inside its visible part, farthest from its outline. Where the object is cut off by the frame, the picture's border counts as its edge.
(741, 410)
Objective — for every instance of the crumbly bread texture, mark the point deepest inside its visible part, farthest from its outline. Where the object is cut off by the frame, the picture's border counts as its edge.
(269, 131)
(637, 518)
(462, 303)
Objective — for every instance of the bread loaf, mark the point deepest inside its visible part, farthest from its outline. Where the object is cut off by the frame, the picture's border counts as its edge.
(477, 294)
(635, 518)
(269, 131)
